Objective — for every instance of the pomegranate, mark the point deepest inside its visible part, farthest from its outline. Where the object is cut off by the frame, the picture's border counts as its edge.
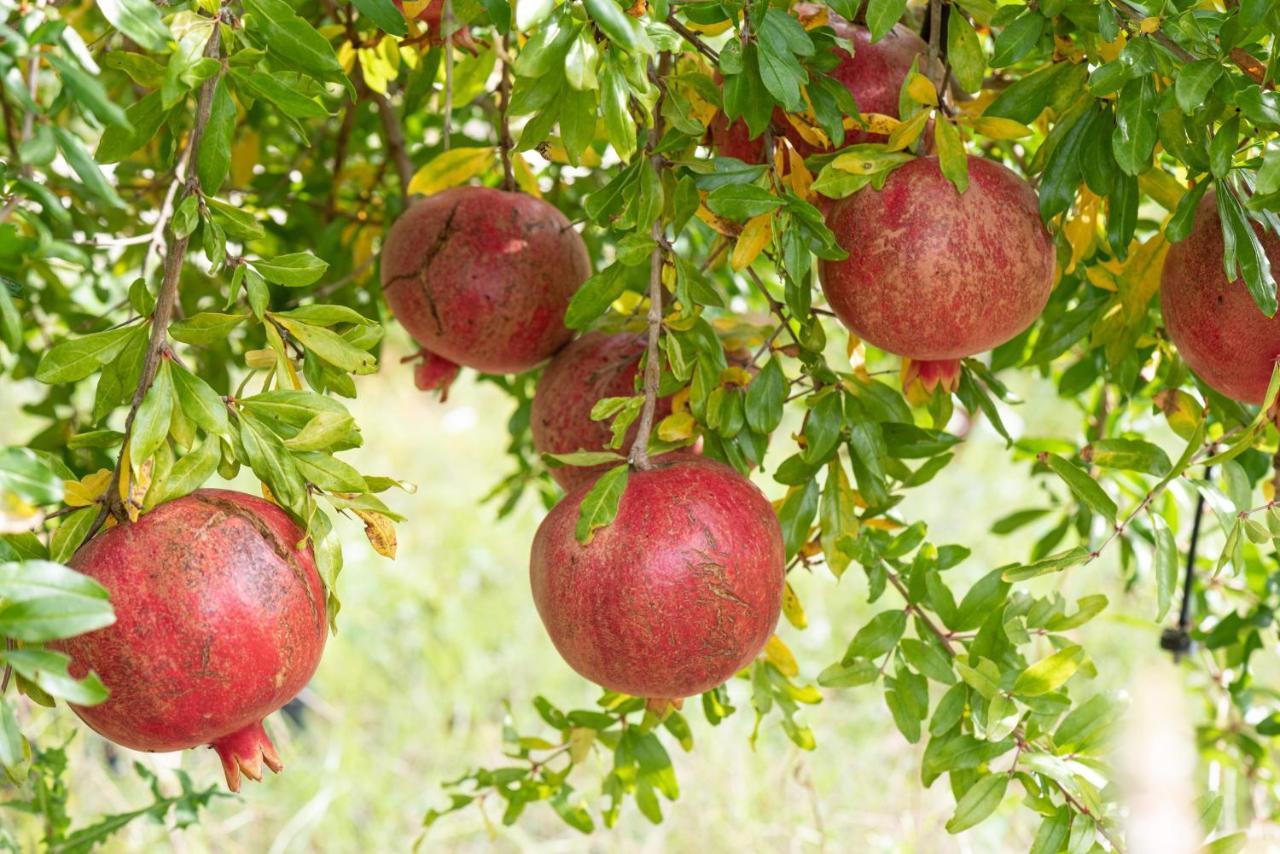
(873, 74)
(595, 366)
(431, 16)
(220, 620)
(482, 277)
(679, 593)
(1219, 329)
(935, 275)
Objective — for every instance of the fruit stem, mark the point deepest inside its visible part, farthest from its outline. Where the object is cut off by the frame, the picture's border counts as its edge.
(245, 751)
(167, 297)
(639, 456)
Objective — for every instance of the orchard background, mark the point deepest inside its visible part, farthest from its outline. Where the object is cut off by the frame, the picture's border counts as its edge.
(195, 199)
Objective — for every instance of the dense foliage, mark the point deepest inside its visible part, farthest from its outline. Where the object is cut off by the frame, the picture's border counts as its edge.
(194, 196)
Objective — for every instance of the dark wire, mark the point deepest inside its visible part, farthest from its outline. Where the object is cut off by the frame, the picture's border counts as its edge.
(1178, 641)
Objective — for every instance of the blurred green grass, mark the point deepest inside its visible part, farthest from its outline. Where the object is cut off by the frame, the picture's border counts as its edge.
(412, 689)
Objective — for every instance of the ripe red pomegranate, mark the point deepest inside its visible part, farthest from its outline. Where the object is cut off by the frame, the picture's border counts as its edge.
(936, 275)
(679, 593)
(595, 366)
(873, 74)
(1219, 329)
(482, 277)
(220, 620)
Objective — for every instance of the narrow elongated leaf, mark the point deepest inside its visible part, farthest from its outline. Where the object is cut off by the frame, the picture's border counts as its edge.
(599, 506)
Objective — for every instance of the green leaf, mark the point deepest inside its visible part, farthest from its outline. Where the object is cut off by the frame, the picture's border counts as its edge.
(878, 636)
(43, 601)
(71, 533)
(1193, 83)
(1084, 486)
(781, 41)
(261, 85)
(88, 93)
(48, 671)
(1135, 134)
(322, 432)
(1051, 838)
(1053, 563)
(1166, 564)
(951, 156)
(1131, 454)
(742, 201)
(270, 461)
(139, 20)
(978, 802)
(205, 328)
(384, 15)
(765, 396)
(599, 507)
(145, 118)
(188, 474)
(615, 23)
(1049, 673)
(330, 346)
(292, 40)
(882, 15)
(796, 516)
(152, 423)
(841, 675)
(295, 270)
(199, 402)
(594, 297)
(213, 160)
(1255, 265)
(964, 51)
(1017, 40)
(24, 475)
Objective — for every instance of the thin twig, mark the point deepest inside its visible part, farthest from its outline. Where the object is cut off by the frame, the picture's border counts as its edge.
(167, 297)
(505, 143)
(639, 456)
(446, 25)
(774, 306)
(394, 137)
(693, 38)
(935, 45)
(340, 156)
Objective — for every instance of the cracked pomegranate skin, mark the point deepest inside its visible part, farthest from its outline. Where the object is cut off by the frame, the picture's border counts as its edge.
(933, 274)
(595, 366)
(873, 74)
(1220, 331)
(677, 594)
(220, 620)
(482, 277)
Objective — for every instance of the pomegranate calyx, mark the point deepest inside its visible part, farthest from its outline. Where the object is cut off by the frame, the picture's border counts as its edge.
(435, 373)
(244, 752)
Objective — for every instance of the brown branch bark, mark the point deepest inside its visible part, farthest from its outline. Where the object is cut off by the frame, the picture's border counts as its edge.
(694, 39)
(505, 143)
(167, 297)
(446, 28)
(639, 456)
(393, 135)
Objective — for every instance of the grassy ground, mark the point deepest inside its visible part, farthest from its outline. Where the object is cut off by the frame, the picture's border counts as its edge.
(412, 690)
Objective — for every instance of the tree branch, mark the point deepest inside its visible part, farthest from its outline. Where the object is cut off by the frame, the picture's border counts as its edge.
(446, 27)
(694, 39)
(393, 135)
(639, 456)
(505, 143)
(167, 297)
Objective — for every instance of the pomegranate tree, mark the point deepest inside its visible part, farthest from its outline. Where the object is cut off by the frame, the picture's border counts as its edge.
(677, 594)
(1219, 329)
(220, 620)
(936, 275)
(482, 277)
(595, 366)
(873, 74)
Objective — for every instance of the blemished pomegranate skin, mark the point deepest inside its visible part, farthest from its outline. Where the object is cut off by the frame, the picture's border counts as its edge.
(591, 368)
(482, 277)
(220, 621)
(1219, 330)
(677, 594)
(936, 275)
(873, 74)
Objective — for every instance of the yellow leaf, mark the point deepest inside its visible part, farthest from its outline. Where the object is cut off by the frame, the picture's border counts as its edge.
(754, 238)
(259, 359)
(525, 179)
(781, 657)
(680, 400)
(627, 303)
(137, 491)
(710, 29)
(873, 123)
(735, 375)
(676, 427)
(380, 531)
(375, 69)
(245, 154)
(414, 8)
(1163, 187)
(267, 494)
(909, 131)
(1082, 228)
(720, 224)
(87, 490)
(792, 609)
(799, 176)
(809, 132)
(451, 168)
(580, 740)
(922, 91)
(994, 127)
(1149, 25)
(883, 524)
